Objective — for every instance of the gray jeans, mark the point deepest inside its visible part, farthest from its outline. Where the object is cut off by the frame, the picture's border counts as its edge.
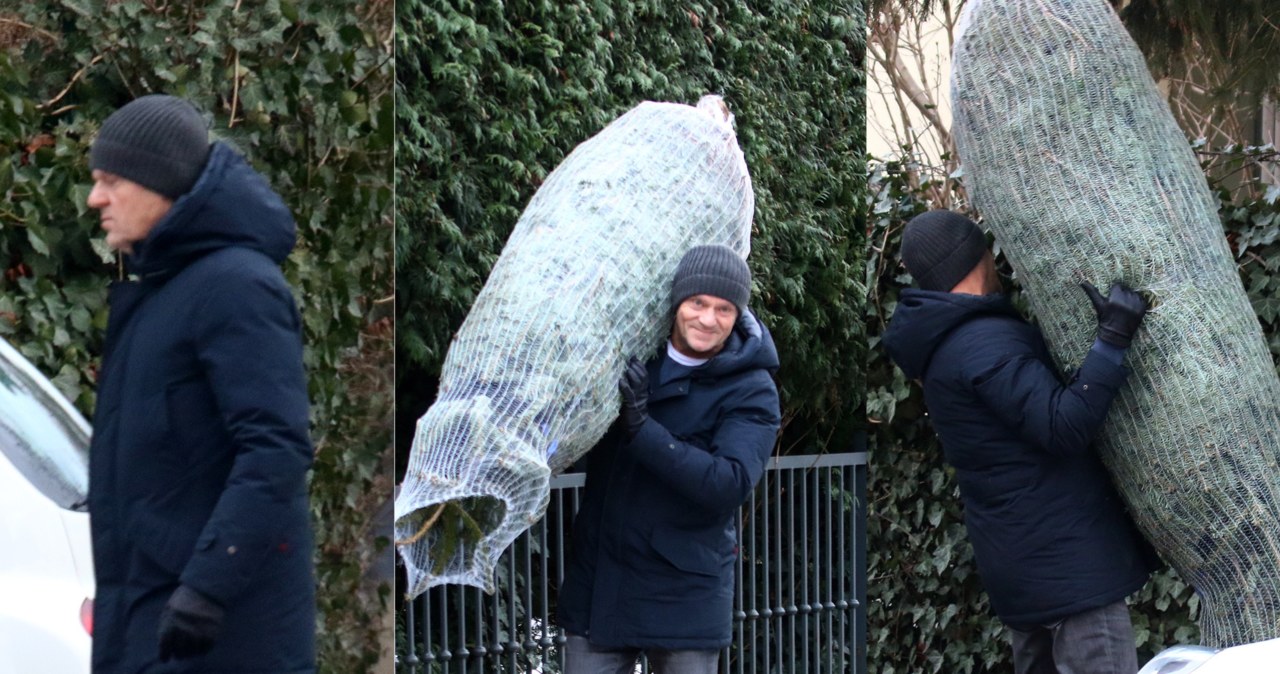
(583, 658)
(1098, 641)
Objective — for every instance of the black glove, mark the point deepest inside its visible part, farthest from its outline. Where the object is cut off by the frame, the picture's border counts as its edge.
(634, 386)
(1119, 315)
(188, 625)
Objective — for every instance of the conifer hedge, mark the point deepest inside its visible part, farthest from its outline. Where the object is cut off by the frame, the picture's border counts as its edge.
(303, 88)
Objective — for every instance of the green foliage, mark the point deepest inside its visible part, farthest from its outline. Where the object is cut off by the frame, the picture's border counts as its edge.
(303, 88)
(1251, 217)
(928, 612)
(491, 96)
(1173, 32)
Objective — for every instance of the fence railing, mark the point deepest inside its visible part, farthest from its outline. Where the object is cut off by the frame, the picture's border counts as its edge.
(801, 585)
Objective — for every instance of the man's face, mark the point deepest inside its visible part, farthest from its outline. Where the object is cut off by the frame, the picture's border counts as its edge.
(702, 325)
(128, 210)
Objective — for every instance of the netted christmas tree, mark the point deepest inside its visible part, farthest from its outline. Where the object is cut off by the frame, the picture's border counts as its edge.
(1079, 169)
(530, 381)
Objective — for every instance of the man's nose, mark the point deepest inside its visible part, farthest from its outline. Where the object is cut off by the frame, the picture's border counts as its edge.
(95, 199)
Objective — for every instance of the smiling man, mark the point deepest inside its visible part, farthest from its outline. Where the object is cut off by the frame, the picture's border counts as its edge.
(654, 542)
(197, 467)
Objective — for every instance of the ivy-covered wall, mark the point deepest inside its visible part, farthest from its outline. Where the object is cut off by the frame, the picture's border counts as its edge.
(492, 95)
(303, 88)
(927, 610)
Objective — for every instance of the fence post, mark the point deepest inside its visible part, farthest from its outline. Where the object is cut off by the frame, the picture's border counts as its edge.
(860, 545)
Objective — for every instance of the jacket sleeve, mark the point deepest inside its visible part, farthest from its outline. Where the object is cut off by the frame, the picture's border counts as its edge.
(719, 479)
(248, 341)
(1026, 394)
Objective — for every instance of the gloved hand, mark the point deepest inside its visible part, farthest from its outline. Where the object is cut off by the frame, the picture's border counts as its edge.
(634, 386)
(1119, 315)
(189, 624)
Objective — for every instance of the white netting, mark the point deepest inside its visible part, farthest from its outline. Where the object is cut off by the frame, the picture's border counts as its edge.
(1078, 167)
(530, 381)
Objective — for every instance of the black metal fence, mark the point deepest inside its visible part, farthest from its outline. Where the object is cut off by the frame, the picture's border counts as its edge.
(801, 590)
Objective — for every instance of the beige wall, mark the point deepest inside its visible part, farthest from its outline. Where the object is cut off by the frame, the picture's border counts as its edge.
(929, 64)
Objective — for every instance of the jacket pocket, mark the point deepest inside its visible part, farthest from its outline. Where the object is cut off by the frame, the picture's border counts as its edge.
(198, 435)
(707, 553)
(190, 406)
(153, 423)
(166, 540)
(700, 440)
(142, 438)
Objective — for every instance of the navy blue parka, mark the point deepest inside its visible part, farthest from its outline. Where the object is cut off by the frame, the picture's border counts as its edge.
(654, 542)
(200, 449)
(1049, 532)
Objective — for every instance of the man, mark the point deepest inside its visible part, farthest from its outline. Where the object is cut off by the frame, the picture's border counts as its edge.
(197, 493)
(654, 542)
(1055, 549)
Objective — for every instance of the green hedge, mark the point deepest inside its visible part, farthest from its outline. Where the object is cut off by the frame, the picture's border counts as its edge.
(928, 612)
(492, 95)
(303, 88)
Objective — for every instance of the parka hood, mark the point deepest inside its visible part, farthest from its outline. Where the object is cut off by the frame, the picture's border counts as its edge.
(749, 347)
(923, 318)
(230, 204)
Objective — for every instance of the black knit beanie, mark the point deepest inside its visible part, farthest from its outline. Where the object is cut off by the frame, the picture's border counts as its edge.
(940, 248)
(712, 270)
(157, 141)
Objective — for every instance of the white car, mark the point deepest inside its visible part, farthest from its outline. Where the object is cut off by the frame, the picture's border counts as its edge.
(1262, 657)
(46, 560)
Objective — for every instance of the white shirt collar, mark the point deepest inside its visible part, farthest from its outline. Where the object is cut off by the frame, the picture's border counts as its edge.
(682, 359)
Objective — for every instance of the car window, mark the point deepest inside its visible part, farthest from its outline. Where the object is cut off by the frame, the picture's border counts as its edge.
(41, 434)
